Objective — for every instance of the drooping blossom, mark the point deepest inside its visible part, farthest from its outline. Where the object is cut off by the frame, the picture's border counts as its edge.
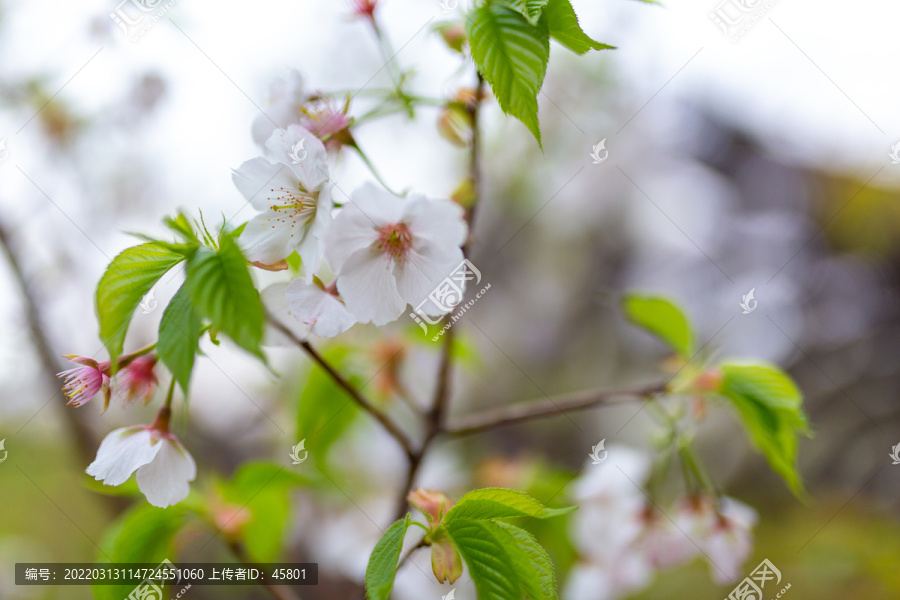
(722, 530)
(391, 251)
(290, 187)
(319, 307)
(623, 538)
(136, 381)
(304, 309)
(164, 468)
(286, 96)
(84, 382)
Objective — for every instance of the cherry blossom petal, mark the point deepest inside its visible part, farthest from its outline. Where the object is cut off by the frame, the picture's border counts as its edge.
(438, 221)
(312, 169)
(422, 271)
(166, 480)
(270, 237)
(121, 453)
(286, 94)
(325, 314)
(276, 303)
(260, 182)
(368, 287)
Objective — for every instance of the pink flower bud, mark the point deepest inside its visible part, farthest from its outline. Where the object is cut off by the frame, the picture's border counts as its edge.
(434, 505)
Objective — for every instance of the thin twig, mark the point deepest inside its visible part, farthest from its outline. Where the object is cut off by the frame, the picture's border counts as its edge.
(551, 407)
(436, 415)
(339, 379)
(50, 362)
(406, 556)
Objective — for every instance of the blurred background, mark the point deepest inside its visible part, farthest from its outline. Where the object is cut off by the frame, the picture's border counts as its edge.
(750, 155)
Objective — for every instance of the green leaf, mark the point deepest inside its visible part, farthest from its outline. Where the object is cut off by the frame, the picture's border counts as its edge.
(179, 333)
(490, 565)
(530, 9)
(663, 319)
(770, 407)
(512, 55)
(143, 534)
(382, 565)
(222, 290)
(505, 562)
(127, 279)
(537, 578)
(499, 503)
(564, 28)
(263, 490)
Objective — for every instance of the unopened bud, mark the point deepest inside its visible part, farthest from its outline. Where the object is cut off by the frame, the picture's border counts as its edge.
(446, 562)
(434, 505)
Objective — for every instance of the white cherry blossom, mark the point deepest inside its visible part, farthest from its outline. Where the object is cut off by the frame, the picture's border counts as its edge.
(164, 468)
(724, 534)
(294, 197)
(286, 95)
(391, 251)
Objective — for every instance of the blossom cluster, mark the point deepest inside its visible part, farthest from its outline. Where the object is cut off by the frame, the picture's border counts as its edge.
(623, 538)
(382, 252)
(386, 251)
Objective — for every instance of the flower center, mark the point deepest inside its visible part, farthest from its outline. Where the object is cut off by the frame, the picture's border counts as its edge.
(395, 240)
(294, 207)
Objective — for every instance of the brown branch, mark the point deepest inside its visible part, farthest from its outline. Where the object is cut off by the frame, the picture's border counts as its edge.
(517, 413)
(361, 400)
(436, 416)
(50, 362)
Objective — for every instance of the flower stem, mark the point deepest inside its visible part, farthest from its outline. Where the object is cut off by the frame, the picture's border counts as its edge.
(372, 168)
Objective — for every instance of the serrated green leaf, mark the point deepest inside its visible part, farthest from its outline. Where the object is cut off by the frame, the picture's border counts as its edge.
(504, 561)
(663, 319)
(179, 334)
(512, 55)
(530, 9)
(770, 407)
(490, 565)
(562, 22)
(143, 534)
(531, 562)
(127, 279)
(222, 290)
(382, 565)
(499, 503)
